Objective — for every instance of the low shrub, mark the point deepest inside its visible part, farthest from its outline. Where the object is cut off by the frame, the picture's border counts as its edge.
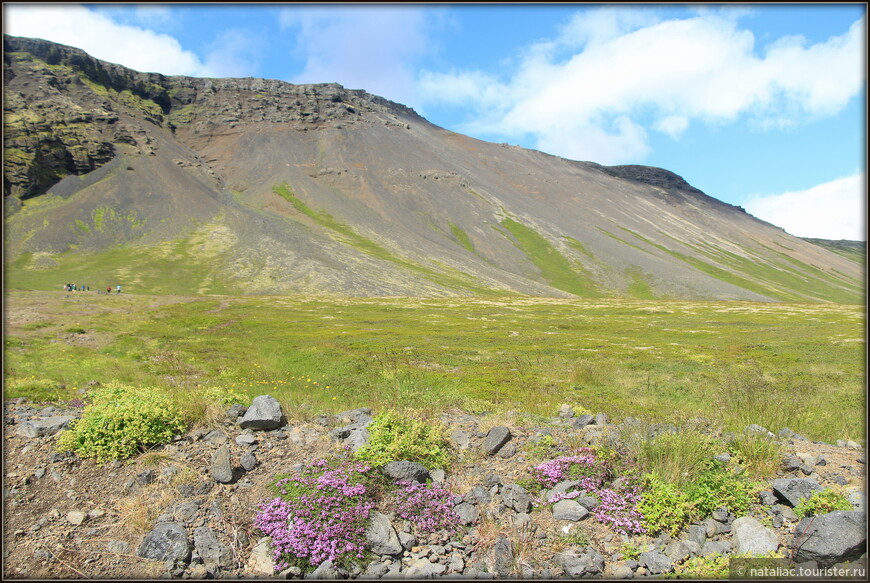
(668, 507)
(665, 507)
(822, 502)
(394, 437)
(594, 470)
(322, 512)
(121, 421)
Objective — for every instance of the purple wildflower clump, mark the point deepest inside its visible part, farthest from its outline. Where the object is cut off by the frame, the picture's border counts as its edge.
(321, 513)
(554, 471)
(429, 508)
(617, 506)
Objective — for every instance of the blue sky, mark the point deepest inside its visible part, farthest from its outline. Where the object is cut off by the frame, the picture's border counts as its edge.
(762, 106)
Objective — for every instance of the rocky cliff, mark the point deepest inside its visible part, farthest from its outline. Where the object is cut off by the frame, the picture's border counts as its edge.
(261, 186)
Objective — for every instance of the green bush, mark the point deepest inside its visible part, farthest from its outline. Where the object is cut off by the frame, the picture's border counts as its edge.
(669, 507)
(394, 437)
(717, 487)
(121, 421)
(665, 507)
(714, 566)
(822, 502)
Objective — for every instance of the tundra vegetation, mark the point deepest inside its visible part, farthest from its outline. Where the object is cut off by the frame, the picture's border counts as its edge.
(169, 363)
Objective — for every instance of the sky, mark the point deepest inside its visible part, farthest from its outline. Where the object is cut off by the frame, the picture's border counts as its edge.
(761, 106)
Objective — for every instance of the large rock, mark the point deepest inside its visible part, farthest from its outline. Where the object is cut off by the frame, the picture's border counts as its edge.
(408, 471)
(655, 562)
(793, 490)
(516, 498)
(213, 552)
(260, 561)
(753, 538)
(263, 414)
(468, 513)
(569, 510)
(424, 569)
(586, 564)
(221, 468)
(831, 538)
(503, 556)
(166, 542)
(44, 427)
(495, 439)
(382, 537)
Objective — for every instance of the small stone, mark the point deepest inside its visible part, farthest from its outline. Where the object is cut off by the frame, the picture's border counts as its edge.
(76, 517)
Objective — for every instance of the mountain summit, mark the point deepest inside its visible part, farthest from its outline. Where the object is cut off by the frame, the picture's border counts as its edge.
(190, 185)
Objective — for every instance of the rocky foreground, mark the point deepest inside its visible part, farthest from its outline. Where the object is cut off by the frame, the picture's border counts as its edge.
(186, 509)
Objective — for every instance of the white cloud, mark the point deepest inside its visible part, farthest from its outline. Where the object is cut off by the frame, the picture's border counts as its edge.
(234, 53)
(374, 48)
(130, 46)
(833, 210)
(623, 69)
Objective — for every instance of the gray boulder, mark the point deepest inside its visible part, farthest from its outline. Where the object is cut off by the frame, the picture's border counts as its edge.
(405, 470)
(44, 427)
(516, 498)
(495, 439)
(655, 562)
(213, 552)
(382, 537)
(582, 421)
(468, 513)
(503, 556)
(569, 510)
(326, 570)
(264, 414)
(831, 538)
(221, 468)
(166, 542)
(752, 537)
(586, 563)
(248, 461)
(424, 569)
(793, 490)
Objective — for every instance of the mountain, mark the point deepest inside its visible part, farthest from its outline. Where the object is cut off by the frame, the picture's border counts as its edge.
(191, 185)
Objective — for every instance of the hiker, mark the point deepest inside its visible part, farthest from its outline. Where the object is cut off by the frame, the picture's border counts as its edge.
(119, 289)
(109, 289)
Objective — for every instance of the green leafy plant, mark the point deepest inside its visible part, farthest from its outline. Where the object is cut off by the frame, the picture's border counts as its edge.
(394, 437)
(665, 507)
(121, 421)
(714, 566)
(822, 502)
(717, 487)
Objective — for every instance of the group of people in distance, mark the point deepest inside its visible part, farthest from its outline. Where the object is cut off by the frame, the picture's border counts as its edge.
(71, 287)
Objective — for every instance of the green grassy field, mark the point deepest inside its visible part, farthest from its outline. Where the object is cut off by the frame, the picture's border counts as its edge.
(779, 365)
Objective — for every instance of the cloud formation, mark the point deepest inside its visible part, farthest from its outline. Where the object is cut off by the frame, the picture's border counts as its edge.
(104, 38)
(610, 75)
(833, 210)
(375, 48)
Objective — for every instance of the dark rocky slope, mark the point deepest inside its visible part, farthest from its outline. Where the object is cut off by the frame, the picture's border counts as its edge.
(260, 186)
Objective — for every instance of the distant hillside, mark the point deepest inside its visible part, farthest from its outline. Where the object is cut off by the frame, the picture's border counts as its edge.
(189, 185)
(854, 250)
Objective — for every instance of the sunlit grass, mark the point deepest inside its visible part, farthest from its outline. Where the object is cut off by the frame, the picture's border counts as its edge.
(776, 365)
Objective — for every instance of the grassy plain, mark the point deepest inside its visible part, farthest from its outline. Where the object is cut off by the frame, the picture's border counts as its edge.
(799, 366)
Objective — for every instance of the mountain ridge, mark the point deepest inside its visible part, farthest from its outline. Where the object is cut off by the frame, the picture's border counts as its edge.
(261, 186)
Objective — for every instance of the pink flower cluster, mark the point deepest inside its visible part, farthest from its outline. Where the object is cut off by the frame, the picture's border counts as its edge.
(429, 508)
(322, 515)
(323, 512)
(617, 506)
(554, 471)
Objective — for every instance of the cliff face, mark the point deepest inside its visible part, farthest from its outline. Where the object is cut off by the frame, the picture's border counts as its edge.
(261, 186)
